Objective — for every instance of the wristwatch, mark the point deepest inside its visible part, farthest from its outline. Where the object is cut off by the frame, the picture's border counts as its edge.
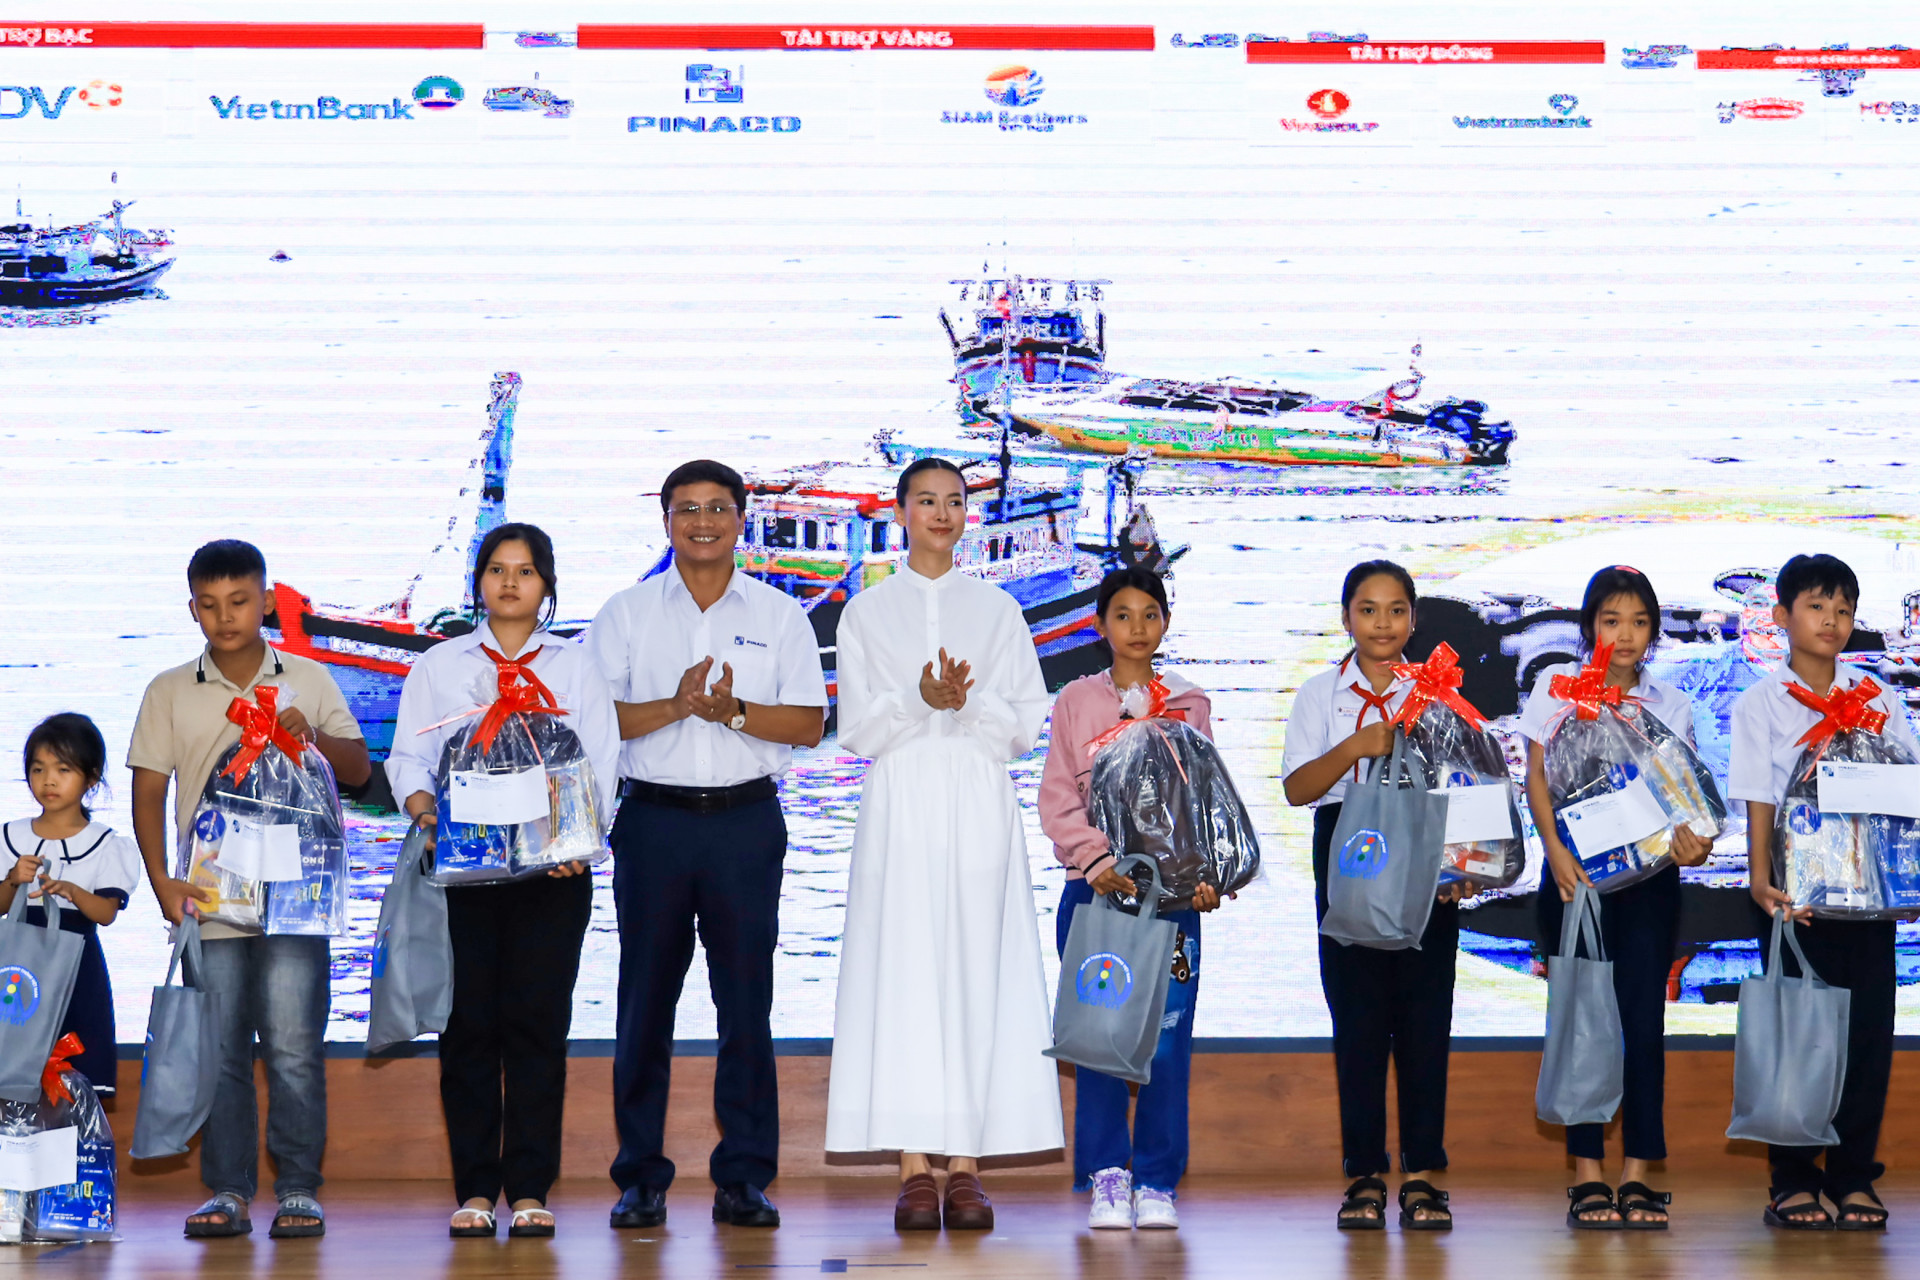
(739, 720)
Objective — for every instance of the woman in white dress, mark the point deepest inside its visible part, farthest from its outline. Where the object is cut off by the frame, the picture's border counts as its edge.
(942, 1012)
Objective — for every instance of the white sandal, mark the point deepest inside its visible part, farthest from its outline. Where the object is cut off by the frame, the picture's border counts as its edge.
(484, 1227)
(526, 1225)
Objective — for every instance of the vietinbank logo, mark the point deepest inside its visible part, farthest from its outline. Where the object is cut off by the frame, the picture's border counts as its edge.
(19, 100)
(438, 93)
(325, 107)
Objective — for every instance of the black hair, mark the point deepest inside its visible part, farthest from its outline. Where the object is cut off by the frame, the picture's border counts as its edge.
(1373, 568)
(704, 471)
(539, 546)
(1118, 580)
(74, 741)
(1823, 575)
(226, 558)
(918, 465)
(1616, 580)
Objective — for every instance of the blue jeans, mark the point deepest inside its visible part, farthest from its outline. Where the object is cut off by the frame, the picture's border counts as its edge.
(1157, 1149)
(275, 988)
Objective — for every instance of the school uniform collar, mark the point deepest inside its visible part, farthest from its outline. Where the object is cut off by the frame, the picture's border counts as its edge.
(483, 635)
(1782, 675)
(91, 837)
(925, 583)
(206, 671)
(1349, 673)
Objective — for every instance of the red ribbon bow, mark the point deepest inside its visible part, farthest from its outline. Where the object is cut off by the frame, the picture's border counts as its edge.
(52, 1082)
(1438, 679)
(1587, 689)
(259, 723)
(1157, 695)
(1840, 710)
(521, 693)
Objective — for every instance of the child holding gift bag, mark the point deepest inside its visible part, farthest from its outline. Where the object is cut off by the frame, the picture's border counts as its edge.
(516, 944)
(1382, 1003)
(1778, 724)
(66, 853)
(1619, 613)
(1132, 1177)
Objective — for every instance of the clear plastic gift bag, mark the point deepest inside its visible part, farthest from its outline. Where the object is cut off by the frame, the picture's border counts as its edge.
(1606, 745)
(269, 837)
(82, 1209)
(1845, 865)
(1456, 749)
(515, 791)
(1160, 788)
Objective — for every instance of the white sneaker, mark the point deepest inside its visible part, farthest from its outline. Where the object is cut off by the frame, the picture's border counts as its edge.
(1154, 1211)
(1112, 1201)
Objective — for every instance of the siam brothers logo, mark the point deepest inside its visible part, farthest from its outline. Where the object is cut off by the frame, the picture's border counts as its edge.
(706, 83)
(1014, 86)
(435, 93)
(1760, 109)
(1104, 980)
(1364, 855)
(1328, 105)
(1562, 104)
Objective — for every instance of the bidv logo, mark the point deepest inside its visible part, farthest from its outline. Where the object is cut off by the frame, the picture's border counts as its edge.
(1328, 105)
(28, 97)
(1760, 109)
(1364, 855)
(724, 86)
(1104, 980)
(101, 95)
(1015, 86)
(19, 995)
(435, 93)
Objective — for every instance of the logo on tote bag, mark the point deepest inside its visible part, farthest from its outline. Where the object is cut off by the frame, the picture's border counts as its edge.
(1104, 980)
(19, 995)
(1364, 855)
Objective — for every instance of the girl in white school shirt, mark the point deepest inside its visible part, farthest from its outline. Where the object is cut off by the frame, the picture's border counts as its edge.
(1382, 1003)
(516, 946)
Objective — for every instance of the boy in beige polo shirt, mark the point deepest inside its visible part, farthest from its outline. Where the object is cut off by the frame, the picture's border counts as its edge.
(272, 987)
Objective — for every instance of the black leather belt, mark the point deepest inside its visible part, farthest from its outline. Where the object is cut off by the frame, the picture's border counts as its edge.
(699, 799)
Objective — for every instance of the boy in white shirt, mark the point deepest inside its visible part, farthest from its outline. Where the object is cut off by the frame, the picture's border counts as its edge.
(1817, 596)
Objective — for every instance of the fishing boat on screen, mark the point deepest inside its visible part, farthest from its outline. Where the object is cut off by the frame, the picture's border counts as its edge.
(99, 261)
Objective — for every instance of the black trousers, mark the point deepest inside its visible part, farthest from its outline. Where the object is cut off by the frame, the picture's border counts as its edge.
(503, 1056)
(1638, 926)
(674, 872)
(1388, 1003)
(1857, 955)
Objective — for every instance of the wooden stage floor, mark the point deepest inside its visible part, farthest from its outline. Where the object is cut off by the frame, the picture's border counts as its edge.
(1509, 1229)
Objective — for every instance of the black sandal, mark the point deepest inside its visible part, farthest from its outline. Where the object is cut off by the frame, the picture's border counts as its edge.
(1591, 1197)
(1875, 1218)
(1638, 1197)
(1800, 1217)
(1360, 1212)
(1427, 1197)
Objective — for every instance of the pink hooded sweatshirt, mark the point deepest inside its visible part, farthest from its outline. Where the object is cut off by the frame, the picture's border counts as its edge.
(1082, 711)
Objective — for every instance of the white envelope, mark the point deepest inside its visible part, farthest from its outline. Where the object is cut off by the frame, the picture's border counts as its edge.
(260, 850)
(1615, 819)
(1869, 788)
(499, 799)
(48, 1159)
(1478, 812)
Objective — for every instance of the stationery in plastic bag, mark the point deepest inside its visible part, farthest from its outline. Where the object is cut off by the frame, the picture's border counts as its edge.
(1160, 789)
(1790, 1052)
(1847, 865)
(269, 837)
(1583, 1062)
(516, 793)
(1460, 752)
(83, 1208)
(1621, 780)
(1114, 975)
(1384, 867)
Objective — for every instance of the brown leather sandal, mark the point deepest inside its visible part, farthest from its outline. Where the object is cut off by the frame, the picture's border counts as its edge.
(918, 1208)
(967, 1206)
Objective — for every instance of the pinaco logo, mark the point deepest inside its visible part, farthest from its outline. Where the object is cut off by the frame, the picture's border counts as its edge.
(708, 83)
(1364, 855)
(1014, 86)
(1104, 981)
(19, 995)
(438, 93)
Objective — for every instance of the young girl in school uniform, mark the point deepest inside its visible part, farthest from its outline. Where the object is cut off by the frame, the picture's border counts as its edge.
(1638, 923)
(68, 855)
(516, 946)
(1382, 1003)
(1132, 1177)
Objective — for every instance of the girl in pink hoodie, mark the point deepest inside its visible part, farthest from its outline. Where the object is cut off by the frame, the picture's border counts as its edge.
(1132, 1176)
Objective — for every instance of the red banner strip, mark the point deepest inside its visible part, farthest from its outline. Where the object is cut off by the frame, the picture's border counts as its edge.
(1434, 53)
(851, 37)
(1807, 59)
(241, 35)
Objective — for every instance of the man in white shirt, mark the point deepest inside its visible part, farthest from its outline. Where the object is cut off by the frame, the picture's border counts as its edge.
(716, 677)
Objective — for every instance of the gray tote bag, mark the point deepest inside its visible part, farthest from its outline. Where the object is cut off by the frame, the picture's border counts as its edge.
(1383, 871)
(1113, 984)
(412, 952)
(1790, 1057)
(1583, 1068)
(182, 1063)
(38, 964)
